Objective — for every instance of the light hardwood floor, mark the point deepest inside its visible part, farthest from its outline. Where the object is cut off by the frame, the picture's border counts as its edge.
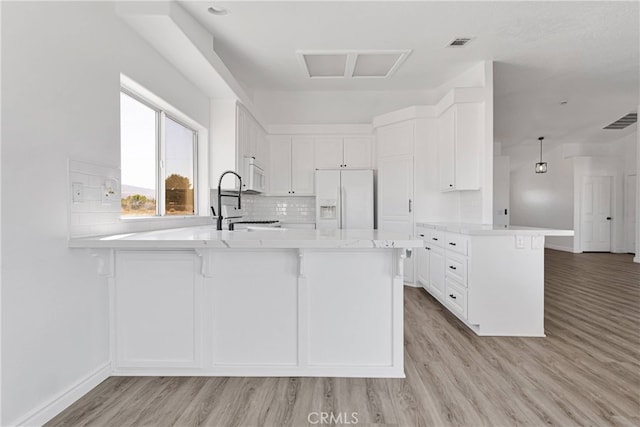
(586, 372)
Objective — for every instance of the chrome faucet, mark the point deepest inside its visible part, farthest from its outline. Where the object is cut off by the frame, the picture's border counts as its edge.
(220, 196)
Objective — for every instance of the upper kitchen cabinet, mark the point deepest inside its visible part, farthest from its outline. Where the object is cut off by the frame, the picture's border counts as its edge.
(292, 168)
(249, 135)
(460, 133)
(234, 135)
(336, 152)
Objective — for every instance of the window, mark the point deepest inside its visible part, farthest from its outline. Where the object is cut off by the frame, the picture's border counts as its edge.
(158, 160)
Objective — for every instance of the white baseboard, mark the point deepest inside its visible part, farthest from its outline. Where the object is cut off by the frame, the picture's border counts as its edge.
(64, 399)
(412, 285)
(636, 259)
(561, 248)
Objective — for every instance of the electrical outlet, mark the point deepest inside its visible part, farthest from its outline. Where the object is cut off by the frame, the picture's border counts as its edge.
(77, 192)
(519, 242)
(109, 191)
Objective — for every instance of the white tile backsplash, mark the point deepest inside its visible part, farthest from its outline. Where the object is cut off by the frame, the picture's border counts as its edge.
(285, 209)
(93, 217)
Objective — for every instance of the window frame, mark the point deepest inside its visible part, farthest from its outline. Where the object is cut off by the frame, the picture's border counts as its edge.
(160, 157)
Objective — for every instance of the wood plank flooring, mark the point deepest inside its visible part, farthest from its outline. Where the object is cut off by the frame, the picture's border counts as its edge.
(586, 372)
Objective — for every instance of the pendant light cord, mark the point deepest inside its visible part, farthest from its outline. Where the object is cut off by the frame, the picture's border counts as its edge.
(540, 139)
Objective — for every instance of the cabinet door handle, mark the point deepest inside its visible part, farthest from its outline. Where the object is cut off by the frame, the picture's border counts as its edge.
(452, 296)
(427, 248)
(452, 267)
(434, 238)
(452, 243)
(409, 205)
(608, 218)
(422, 235)
(450, 185)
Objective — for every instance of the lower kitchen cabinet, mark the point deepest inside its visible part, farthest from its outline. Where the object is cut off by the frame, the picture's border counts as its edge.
(296, 312)
(436, 271)
(157, 298)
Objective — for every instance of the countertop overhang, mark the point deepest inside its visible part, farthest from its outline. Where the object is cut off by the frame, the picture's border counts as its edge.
(493, 230)
(207, 237)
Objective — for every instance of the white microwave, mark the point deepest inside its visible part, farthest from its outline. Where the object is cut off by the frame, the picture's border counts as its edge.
(253, 177)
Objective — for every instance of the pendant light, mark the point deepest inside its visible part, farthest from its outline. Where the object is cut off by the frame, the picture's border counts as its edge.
(541, 167)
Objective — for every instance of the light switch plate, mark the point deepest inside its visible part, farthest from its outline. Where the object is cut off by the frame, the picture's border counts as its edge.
(536, 242)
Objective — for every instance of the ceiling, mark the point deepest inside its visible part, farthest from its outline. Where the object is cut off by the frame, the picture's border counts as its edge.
(586, 53)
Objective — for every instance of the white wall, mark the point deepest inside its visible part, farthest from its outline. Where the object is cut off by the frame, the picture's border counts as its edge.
(501, 193)
(61, 76)
(637, 148)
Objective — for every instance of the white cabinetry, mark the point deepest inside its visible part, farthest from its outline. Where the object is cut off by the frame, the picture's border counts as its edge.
(334, 152)
(302, 166)
(250, 136)
(291, 166)
(460, 134)
(234, 135)
(395, 182)
(436, 271)
(443, 270)
(491, 280)
(157, 300)
(430, 263)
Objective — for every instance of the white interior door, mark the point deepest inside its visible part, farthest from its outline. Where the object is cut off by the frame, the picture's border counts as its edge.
(595, 214)
(630, 213)
(357, 199)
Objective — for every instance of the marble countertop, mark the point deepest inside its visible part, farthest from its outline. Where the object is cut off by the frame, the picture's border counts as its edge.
(493, 230)
(208, 237)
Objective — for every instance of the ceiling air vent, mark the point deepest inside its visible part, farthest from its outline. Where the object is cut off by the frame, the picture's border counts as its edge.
(351, 63)
(623, 122)
(460, 42)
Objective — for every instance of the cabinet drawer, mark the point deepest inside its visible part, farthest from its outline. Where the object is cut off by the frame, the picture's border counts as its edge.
(423, 232)
(456, 268)
(435, 237)
(456, 298)
(457, 243)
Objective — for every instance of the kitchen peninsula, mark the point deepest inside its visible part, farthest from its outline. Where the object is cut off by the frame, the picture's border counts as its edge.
(490, 277)
(196, 301)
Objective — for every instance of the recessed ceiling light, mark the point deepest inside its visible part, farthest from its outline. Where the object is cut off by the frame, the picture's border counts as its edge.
(220, 11)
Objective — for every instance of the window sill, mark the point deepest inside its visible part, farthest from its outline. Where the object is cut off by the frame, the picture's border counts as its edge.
(162, 218)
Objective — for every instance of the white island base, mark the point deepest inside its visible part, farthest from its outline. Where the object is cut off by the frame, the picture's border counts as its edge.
(256, 311)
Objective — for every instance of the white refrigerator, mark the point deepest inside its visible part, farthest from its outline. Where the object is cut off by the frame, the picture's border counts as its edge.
(344, 199)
